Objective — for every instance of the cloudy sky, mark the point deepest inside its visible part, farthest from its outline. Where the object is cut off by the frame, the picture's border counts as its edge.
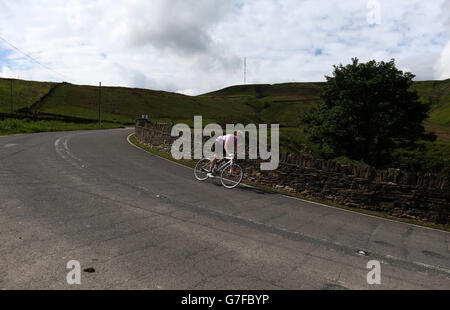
(195, 46)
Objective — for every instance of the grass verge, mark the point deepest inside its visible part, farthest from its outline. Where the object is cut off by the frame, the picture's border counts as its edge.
(297, 195)
(19, 126)
(161, 153)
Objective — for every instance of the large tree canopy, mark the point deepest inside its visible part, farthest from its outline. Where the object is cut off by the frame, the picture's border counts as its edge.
(367, 110)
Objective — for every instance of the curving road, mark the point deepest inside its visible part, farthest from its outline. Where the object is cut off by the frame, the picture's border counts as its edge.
(144, 223)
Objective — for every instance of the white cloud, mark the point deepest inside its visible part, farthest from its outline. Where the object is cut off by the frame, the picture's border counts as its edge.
(198, 45)
(443, 65)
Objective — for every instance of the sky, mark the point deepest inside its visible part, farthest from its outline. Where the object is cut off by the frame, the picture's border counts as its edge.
(196, 46)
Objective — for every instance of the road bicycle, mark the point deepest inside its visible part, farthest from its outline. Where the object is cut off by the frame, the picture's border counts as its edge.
(231, 174)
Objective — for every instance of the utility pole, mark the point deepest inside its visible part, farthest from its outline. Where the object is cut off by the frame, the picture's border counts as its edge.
(99, 103)
(11, 97)
(245, 70)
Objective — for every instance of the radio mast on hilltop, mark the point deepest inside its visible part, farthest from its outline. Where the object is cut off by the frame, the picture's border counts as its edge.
(245, 70)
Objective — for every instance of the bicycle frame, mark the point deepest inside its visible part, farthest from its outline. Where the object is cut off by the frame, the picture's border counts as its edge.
(226, 164)
(203, 165)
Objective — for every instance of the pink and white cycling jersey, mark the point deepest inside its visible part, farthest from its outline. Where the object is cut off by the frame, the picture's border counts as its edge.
(228, 140)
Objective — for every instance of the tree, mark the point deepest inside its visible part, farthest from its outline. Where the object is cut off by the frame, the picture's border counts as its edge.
(368, 109)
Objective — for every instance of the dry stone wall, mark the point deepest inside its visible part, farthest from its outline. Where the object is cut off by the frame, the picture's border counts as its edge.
(399, 193)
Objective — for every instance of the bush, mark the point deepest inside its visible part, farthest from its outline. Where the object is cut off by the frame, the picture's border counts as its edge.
(368, 110)
(426, 157)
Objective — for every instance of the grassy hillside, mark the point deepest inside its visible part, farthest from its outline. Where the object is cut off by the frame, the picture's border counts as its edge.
(299, 90)
(125, 104)
(25, 93)
(283, 104)
(438, 94)
(279, 103)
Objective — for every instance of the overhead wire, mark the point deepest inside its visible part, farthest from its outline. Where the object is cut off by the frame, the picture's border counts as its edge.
(33, 59)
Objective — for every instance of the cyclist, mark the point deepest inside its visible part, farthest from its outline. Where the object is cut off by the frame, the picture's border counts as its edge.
(227, 142)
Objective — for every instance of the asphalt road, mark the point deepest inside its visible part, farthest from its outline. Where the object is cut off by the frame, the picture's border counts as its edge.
(144, 223)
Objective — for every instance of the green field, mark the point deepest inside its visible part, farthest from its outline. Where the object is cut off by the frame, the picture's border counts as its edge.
(279, 103)
(284, 104)
(25, 93)
(438, 94)
(18, 126)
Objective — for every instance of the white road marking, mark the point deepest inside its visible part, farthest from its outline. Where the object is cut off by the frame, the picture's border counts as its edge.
(10, 145)
(62, 148)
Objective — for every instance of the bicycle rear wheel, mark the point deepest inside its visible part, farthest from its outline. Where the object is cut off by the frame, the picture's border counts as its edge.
(201, 169)
(232, 176)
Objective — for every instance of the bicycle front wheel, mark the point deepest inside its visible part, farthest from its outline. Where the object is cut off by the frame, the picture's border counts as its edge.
(232, 176)
(201, 169)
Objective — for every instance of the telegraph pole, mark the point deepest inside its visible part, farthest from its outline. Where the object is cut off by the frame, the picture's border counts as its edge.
(99, 103)
(11, 97)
